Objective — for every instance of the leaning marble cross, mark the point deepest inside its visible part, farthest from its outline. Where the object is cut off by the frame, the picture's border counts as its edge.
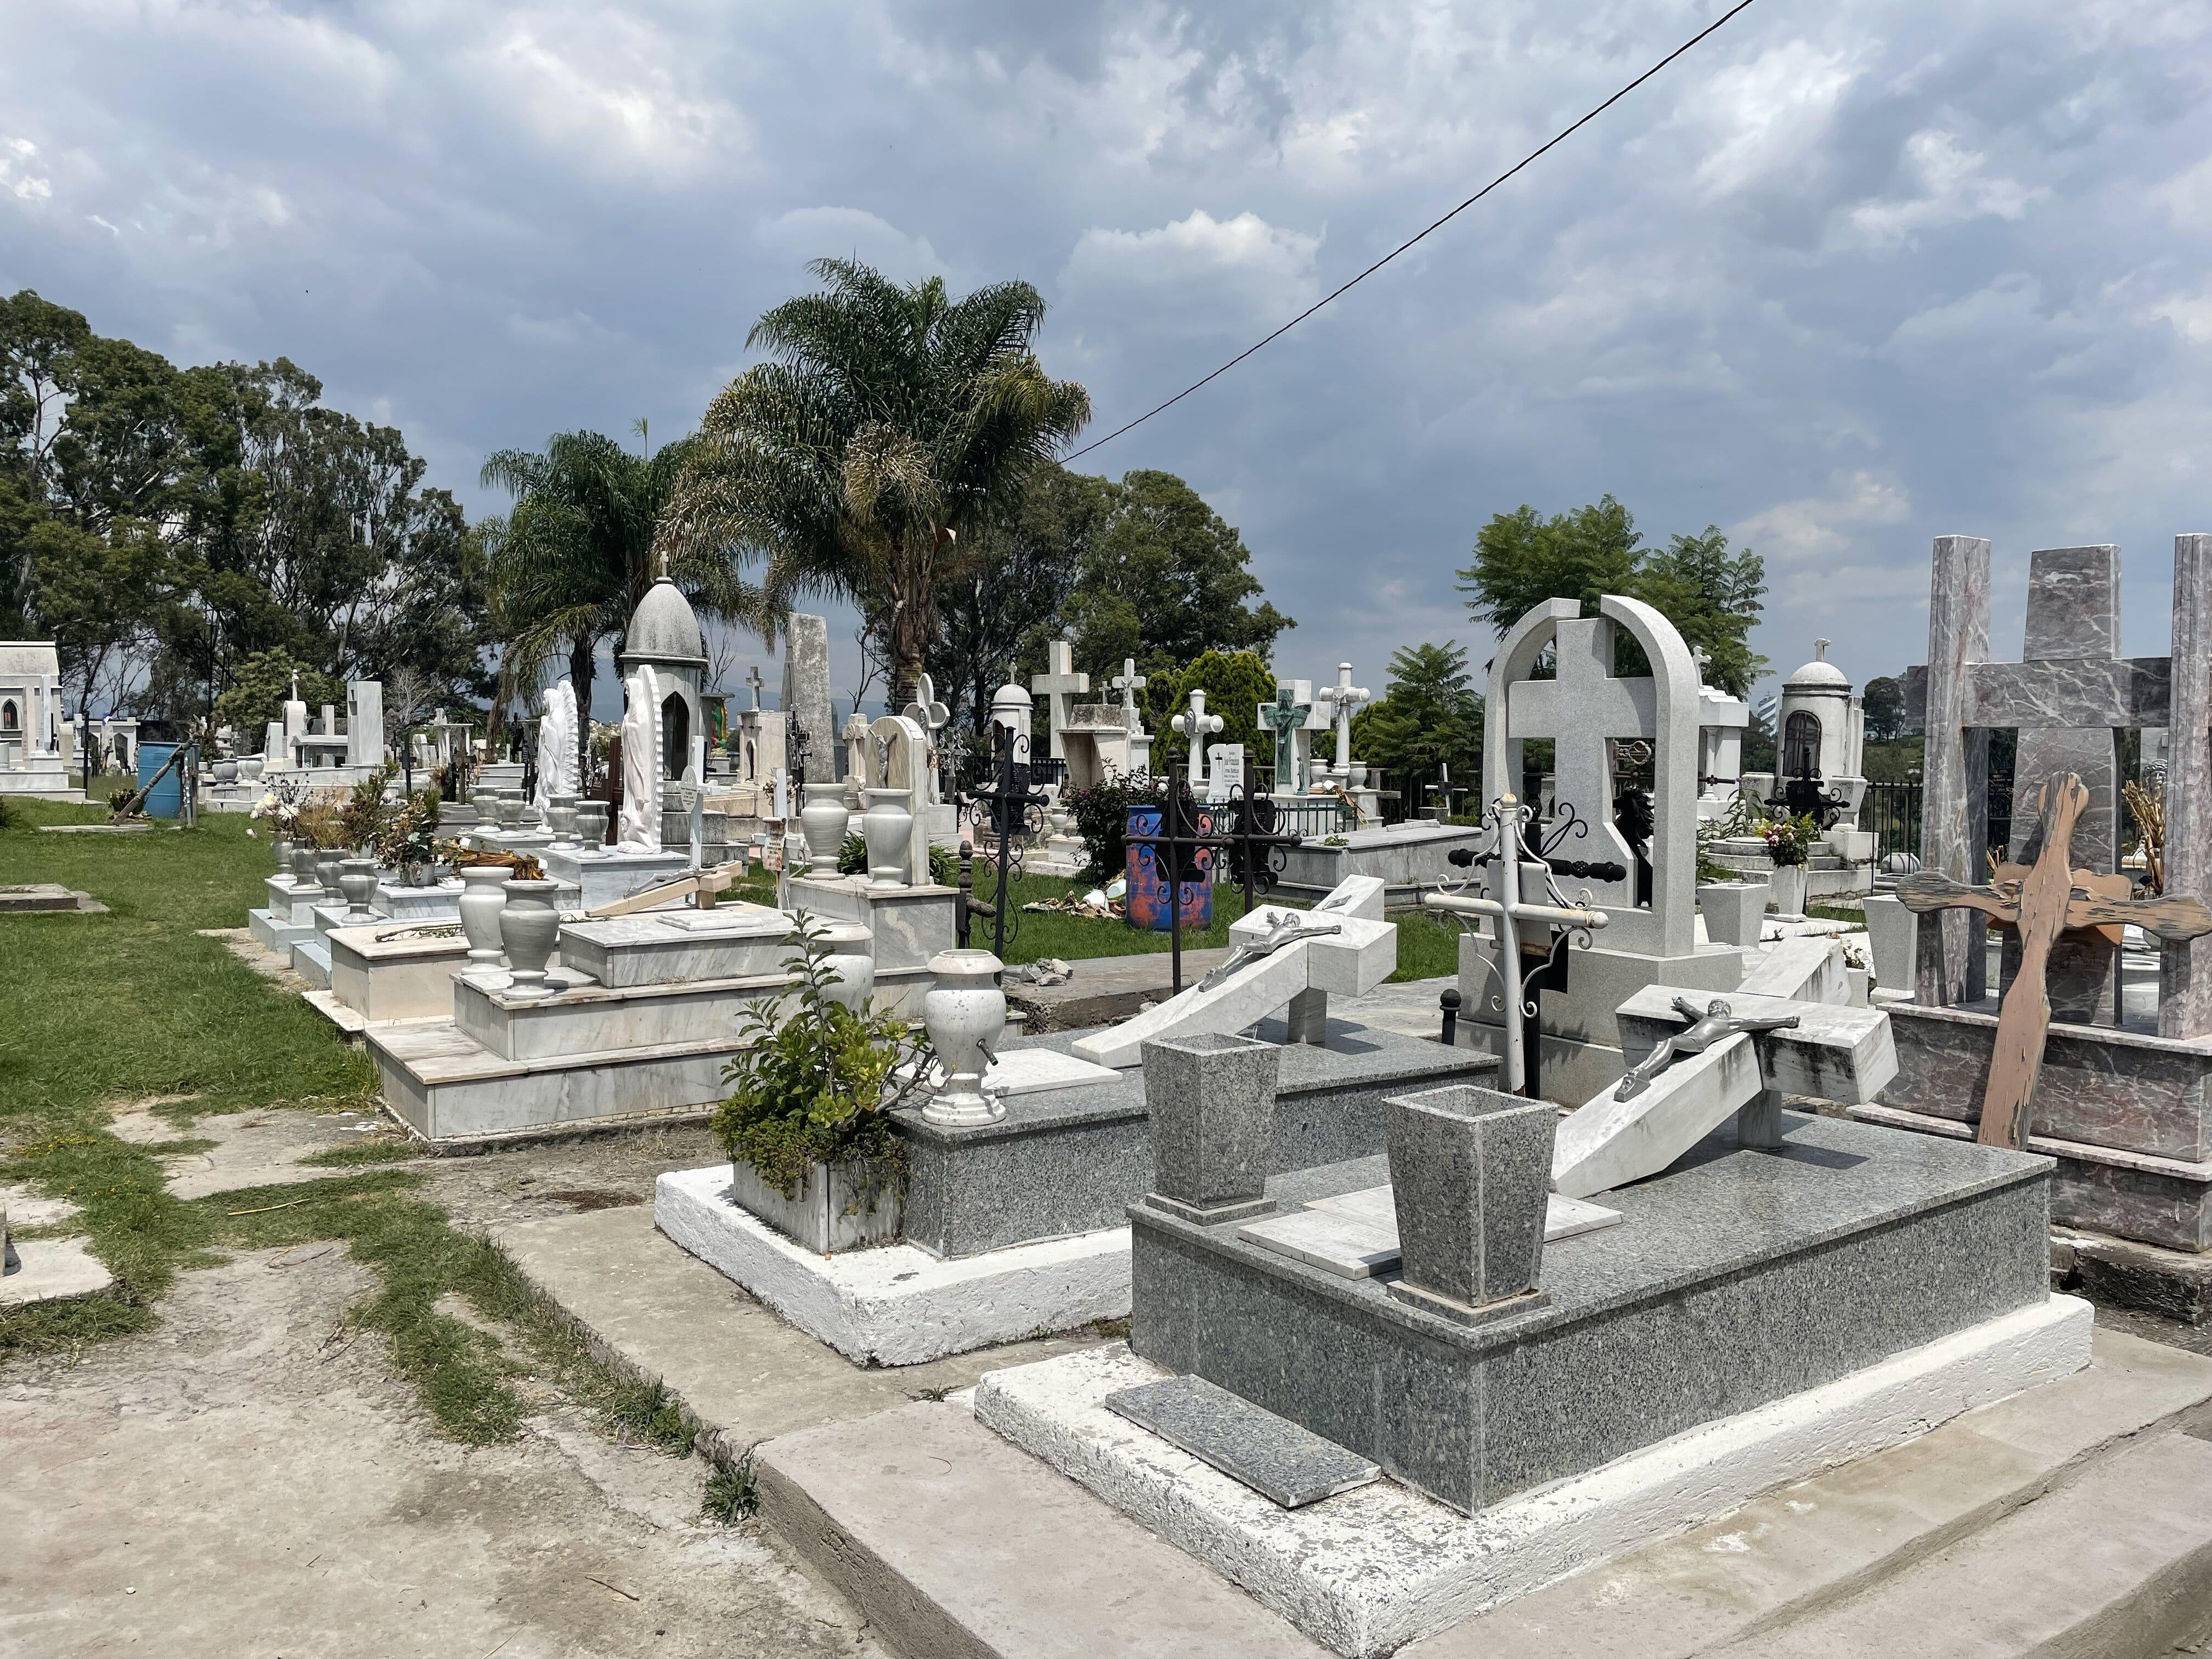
(1833, 1052)
(1280, 957)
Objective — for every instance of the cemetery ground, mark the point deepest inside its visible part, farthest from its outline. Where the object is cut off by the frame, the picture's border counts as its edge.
(321, 1409)
(310, 1338)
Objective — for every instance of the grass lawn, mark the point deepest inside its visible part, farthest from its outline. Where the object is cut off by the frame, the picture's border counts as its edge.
(107, 1009)
(1427, 946)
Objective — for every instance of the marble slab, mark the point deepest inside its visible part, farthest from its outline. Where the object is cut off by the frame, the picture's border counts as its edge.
(1609, 1142)
(1803, 970)
(1355, 1235)
(1278, 1460)
(1033, 1071)
(1842, 1053)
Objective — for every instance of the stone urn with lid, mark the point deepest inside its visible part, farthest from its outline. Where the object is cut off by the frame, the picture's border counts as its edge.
(529, 927)
(483, 896)
(887, 826)
(357, 881)
(823, 821)
(965, 1013)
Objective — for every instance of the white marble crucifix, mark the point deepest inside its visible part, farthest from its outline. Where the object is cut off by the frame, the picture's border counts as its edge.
(1061, 685)
(1128, 683)
(931, 715)
(1196, 726)
(1342, 699)
(753, 681)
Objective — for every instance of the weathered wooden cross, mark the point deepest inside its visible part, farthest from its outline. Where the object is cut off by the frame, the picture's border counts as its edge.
(2042, 901)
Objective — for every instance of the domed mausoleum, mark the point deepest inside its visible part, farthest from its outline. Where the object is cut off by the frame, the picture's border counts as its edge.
(1820, 729)
(664, 635)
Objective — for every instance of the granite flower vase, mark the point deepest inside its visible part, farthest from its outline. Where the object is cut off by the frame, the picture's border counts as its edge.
(823, 821)
(561, 819)
(964, 1013)
(1732, 910)
(887, 827)
(1212, 1099)
(483, 896)
(303, 865)
(326, 873)
(1148, 904)
(1470, 1179)
(357, 881)
(529, 927)
(280, 850)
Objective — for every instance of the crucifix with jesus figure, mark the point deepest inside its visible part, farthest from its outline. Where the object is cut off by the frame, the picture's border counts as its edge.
(2042, 901)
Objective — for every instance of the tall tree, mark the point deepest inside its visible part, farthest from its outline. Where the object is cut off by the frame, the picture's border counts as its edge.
(1709, 591)
(1430, 717)
(1023, 563)
(1165, 580)
(1884, 702)
(887, 423)
(573, 560)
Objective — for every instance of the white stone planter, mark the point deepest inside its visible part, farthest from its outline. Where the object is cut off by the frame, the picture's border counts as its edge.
(824, 820)
(1788, 883)
(1892, 934)
(1732, 910)
(837, 1208)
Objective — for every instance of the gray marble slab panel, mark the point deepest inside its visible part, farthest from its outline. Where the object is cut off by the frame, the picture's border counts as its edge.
(2118, 1088)
(1734, 1279)
(2185, 971)
(1068, 1161)
(1277, 1459)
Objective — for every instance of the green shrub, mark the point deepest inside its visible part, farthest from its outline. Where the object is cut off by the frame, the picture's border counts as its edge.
(1102, 815)
(852, 860)
(819, 1087)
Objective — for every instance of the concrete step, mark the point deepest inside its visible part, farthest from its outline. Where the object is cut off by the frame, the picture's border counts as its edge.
(2116, 1563)
(449, 1087)
(908, 1514)
(311, 961)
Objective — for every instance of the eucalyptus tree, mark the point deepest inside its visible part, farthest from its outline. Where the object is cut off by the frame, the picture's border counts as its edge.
(569, 564)
(889, 421)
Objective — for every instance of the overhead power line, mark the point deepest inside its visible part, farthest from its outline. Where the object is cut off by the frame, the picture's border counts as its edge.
(1557, 137)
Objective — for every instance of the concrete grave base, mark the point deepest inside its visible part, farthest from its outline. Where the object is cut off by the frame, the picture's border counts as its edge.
(274, 932)
(1372, 1568)
(897, 1305)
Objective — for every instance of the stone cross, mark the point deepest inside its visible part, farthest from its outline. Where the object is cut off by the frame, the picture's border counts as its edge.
(753, 680)
(1783, 1030)
(2067, 697)
(1581, 710)
(1128, 683)
(1284, 717)
(1342, 945)
(1342, 698)
(1196, 727)
(1060, 685)
(931, 715)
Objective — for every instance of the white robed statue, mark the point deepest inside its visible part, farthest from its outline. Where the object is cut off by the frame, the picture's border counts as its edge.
(640, 831)
(556, 744)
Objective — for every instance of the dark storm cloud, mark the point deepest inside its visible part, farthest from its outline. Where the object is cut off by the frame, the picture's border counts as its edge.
(1848, 278)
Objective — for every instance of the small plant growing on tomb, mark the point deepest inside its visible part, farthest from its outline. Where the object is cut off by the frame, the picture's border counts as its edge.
(1789, 840)
(365, 813)
(817, 1081)
(1102, 815)
(409, 840)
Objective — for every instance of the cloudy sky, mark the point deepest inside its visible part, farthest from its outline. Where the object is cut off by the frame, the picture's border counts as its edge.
(1851, 275)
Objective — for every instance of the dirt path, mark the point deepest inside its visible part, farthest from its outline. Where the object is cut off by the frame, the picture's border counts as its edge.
(251, 1481)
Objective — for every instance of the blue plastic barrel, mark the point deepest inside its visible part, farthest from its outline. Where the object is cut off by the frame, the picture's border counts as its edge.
(167, 800)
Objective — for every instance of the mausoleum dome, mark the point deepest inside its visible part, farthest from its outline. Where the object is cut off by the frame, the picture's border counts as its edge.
(1819, 674)
(663, 629)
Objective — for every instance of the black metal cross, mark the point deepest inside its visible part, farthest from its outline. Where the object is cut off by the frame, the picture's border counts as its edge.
(1244, 826)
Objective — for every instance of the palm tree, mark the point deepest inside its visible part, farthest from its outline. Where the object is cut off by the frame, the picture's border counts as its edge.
(889, 421)
(570, 563)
